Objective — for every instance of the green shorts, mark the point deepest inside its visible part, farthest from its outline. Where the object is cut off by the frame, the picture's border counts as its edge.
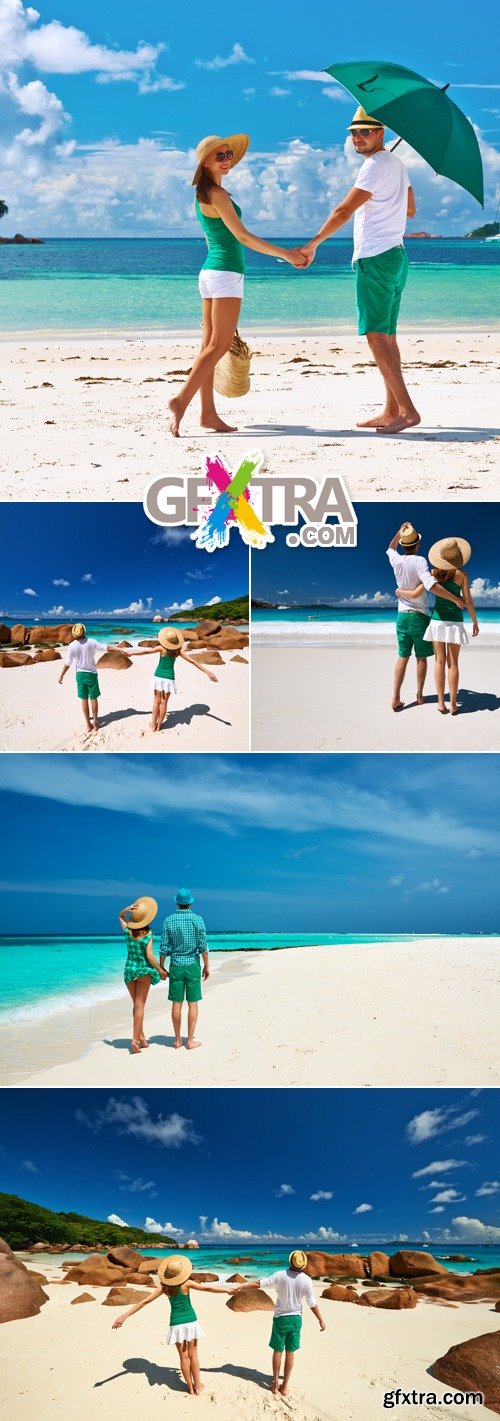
(410, 628)
(285, 1334)
(87, 685)
(184, 982)
(380, 282)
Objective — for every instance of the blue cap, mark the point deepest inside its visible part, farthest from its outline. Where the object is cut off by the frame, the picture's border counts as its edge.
(184, 897)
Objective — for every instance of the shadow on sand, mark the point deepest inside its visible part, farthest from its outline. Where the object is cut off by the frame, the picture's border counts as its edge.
(169, 1376)
(119, 715)
(122, 1043)
(469, 702)
(417, 436)
(184, 717)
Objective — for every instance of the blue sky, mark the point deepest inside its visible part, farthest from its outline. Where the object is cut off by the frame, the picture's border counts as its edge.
(371, 1165)
(103, 143)
(108, 558)
(340, 843)
(363, 575)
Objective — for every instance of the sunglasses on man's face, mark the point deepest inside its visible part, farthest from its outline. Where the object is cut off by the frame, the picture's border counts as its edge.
(223, 157)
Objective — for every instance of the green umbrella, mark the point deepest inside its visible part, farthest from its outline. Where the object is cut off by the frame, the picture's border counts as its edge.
(422, 114)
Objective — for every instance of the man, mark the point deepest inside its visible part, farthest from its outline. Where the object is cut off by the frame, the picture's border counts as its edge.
(380, 202)
(413, 618)
(81, 653)
(184, 940)
(293, 1288)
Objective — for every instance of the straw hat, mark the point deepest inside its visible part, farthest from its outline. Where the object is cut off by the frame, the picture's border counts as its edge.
(142, 913)
(174, 1270)
(450, 552)
(79, 629)
(362, 120)
(238, 142)
(171, 638)
(408, 536)
(298, 1260)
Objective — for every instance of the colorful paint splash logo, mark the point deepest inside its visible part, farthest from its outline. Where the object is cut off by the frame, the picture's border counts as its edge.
(233, 506)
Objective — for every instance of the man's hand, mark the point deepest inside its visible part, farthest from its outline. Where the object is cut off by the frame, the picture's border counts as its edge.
(163, 974)
(205, 974)
(297, 257)
(60, 681)
(322, 1326)
(309, 252)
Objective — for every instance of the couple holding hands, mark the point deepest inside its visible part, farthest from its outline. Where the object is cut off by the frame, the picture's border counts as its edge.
(184, 942)
(380, 202)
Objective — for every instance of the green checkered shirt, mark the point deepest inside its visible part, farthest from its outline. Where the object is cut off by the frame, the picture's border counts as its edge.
(184, 937)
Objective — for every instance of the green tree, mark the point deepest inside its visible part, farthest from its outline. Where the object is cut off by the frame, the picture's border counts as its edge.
(3, 208)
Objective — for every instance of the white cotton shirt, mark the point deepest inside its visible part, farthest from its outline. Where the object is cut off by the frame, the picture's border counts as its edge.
(292, 1289)
(381, 222)
(409, 570)
(82, 654)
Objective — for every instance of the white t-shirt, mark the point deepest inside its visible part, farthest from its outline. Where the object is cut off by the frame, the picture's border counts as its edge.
(409, 570)
(292, 1289)
(381, 222)
(81, 654)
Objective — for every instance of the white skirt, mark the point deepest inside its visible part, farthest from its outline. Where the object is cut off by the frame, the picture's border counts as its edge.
(162, 683)
(213, 284)
(452, 633)
(184, 1332)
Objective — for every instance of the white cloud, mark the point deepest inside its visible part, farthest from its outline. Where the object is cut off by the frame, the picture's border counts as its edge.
(439, 1166)
(88, 577)
(236, 56)
(475, 1231)
(425, 1234)
(213, 602)
(55, 612)
(277, 93)
(484, 592)
(36, 101)
(29, 1166)
(135, 1186)
(363, 1209)
(396, 880)
(322, 1194)
(448, 1196)
(284, 1190)
(475, 1139)
(222, 1229)
(438, 1210)
(171, 536)
(186, 606)
(132, 1117)
(491, 1186)
(429, 1123)
(115, 1219)
(328, 1235)
(152, 1227)
(29, 592)
(135, 608)
(59, 582)
(433, 885)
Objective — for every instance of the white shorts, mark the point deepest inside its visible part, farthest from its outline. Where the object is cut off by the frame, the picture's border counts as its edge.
(213, 284)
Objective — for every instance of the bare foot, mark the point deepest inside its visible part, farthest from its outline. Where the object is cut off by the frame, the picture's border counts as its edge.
(191, 1045)
(175, 417)
(135, 1049)
(95, 727)
(177, 1044)
(198, 1389)
(397, 426)
(274, 1389)
(420, 700)
(143, 1043)
(215, 422)
(284, 1391)
(397, 705)
(378, 421)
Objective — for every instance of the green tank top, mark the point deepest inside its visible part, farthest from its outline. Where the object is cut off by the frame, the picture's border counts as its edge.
(225, 252)
(181, 1308)
(166, 667)
(447, 611)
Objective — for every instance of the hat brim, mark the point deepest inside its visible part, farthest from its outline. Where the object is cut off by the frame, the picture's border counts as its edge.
(148, 916)
(413, 544)
(366, 127)
(239, 142)
(184, 1272)
(171, 640)
(435, 555)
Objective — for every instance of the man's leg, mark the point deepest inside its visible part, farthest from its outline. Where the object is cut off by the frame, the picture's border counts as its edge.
(421, 675)
(276, 1372)
(192, 1020)
(85, 709)
(385, 351)
(390, 410)
(289, 1360)
(95, 713)
(176, 1022)
(399, 673)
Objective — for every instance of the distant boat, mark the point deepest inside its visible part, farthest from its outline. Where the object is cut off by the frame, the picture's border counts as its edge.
(282, 607)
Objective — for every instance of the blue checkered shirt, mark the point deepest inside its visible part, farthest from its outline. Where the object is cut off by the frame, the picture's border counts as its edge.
(184, 937)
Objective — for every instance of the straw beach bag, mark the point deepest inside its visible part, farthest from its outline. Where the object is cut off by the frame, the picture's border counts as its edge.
(232, 372)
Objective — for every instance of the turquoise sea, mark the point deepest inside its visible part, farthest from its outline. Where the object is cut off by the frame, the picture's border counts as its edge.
(151, 286)
(61, 973)
(214, 1258)
(488, 615)
(104, 629)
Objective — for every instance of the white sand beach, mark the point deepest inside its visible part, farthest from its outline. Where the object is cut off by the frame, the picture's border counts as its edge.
(349, 691)
(84, 417)
(36, 713)
(311, 1016)
(68, 1363)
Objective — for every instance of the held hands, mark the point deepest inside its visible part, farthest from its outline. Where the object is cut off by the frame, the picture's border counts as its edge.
(163, 974)
(308, 252)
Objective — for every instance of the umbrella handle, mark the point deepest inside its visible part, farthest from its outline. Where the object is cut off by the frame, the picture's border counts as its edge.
(444, 87)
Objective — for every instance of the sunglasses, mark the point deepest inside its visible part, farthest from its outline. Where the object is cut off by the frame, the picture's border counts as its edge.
(223, 157)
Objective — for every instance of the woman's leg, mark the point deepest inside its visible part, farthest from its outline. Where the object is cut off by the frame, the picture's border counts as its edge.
(155, 711)
(163, 707)
(225, 312)
(141, 995)
(209, 419)
(132, 988)
(195, 1367)
(440, 673)
(182, 1348)
(453, 655)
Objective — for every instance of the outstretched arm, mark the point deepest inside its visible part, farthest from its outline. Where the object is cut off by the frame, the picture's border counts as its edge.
(118, 1322)
(223, 205)
(212, 1288)
(198, 666)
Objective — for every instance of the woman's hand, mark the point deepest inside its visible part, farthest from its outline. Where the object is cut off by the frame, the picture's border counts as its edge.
(475, 629)
(163, 974)
(119, 1320)
(309, 252)
(211, 676)
(295, 256)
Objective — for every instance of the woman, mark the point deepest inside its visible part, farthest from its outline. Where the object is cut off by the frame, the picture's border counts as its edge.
(184, 1330)
(222, 275)
(446, 629)
(171, 642)
(141, 967)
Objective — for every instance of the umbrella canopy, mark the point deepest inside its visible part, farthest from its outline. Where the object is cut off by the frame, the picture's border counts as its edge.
(422, 114)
